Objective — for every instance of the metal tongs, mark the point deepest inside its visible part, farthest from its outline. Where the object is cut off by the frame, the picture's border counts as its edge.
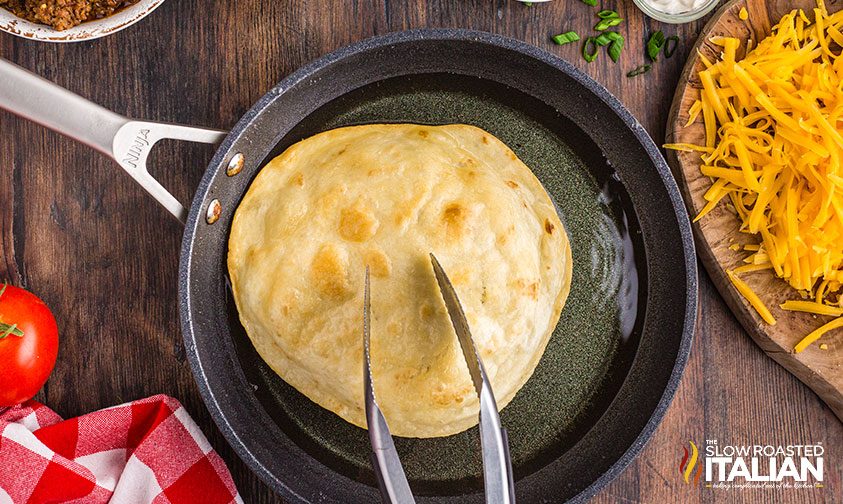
(497, 467)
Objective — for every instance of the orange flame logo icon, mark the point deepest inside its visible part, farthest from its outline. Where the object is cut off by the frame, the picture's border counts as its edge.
(686, 467)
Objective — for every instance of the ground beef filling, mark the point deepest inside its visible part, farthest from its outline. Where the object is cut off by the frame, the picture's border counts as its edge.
(63, 14)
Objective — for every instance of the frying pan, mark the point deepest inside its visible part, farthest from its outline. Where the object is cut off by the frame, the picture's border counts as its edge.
(616, 357)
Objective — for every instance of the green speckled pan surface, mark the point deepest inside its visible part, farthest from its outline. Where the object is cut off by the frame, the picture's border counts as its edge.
(596, 336)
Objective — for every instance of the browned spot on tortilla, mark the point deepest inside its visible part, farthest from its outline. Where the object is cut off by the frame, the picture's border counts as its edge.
(328, 271)
(484, 139)
(380, 264)
(467, 174)
(512, 184)
(454, 217)
(297, 179)
(502, 238)
(357, 223)
(548, 226)
(329, 201)
(423, 133)
(425, 311)
(448, 396)
(530, 290)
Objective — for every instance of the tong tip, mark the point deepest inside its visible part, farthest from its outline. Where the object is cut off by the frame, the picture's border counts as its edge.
(439, 273)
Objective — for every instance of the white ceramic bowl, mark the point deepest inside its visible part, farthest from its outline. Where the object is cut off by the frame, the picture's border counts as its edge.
(680, 17)
(88, 30)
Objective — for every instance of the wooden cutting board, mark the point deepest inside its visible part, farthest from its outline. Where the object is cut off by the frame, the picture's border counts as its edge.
(822, 370)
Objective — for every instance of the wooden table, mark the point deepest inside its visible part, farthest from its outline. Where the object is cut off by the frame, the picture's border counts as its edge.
(78, 232)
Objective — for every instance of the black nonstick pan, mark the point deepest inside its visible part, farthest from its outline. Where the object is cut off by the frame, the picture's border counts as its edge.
(615, 359)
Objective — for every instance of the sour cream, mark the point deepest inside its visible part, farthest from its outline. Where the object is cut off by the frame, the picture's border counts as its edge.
(675, 6)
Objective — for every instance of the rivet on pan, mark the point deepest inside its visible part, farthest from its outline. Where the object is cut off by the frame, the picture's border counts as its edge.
(214, 211)
(235, 165)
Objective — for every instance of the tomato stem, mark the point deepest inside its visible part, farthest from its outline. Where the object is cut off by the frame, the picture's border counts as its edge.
(9, 330)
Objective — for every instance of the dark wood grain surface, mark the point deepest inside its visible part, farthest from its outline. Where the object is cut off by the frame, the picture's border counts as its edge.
(78, 232)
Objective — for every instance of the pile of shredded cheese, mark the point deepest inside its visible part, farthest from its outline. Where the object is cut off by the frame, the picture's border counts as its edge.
(773, 147)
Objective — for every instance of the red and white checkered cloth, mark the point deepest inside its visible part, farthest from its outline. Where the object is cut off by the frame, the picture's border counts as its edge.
(146, 451)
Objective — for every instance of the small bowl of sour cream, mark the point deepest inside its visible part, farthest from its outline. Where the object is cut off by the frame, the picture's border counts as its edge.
(676, 11)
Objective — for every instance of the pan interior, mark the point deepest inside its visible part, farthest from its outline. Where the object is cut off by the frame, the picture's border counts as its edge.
(593, 345)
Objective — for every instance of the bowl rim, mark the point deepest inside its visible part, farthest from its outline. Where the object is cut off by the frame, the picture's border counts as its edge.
(89, 30)
(679, 17)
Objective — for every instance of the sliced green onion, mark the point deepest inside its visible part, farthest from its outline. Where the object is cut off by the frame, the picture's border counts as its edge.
(608, 37)
(590, 55)
(602, 40)
(655, 45)
(670, 49)
(615, 50)
(613, 36)
(642, 69)
(608, 23)
(592, 3)
(565, 38)
(528, 4)
(607, 14)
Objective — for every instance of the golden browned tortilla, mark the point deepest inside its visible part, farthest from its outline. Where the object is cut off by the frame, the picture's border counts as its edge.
(386, 195)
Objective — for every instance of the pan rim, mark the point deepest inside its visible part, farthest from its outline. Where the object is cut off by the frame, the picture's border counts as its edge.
(680, 217)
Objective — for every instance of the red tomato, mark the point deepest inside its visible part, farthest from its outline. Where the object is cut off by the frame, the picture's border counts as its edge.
(26, 360)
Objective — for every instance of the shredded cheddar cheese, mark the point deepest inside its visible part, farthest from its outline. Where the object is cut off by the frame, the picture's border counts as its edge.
(752, 297)
(743, 14)
(813, 307)
(773, 150)
(814, 336)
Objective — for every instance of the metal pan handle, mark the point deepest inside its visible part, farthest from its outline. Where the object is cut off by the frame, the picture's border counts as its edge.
(126, 141)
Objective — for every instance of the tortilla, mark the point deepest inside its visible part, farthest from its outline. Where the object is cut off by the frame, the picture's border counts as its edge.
(386, 196)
